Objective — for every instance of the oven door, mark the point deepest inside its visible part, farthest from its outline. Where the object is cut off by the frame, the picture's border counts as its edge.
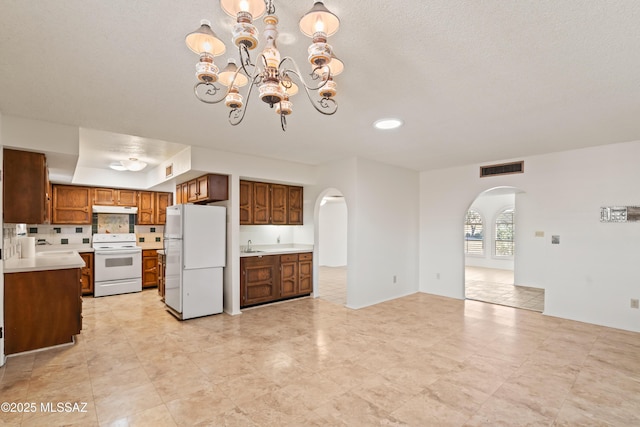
(117, 264)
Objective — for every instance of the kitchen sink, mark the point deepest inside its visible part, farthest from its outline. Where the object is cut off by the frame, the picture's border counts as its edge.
(251, 251)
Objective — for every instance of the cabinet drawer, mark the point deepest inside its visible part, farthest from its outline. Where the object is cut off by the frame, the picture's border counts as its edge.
(305, 256)
(289, 258)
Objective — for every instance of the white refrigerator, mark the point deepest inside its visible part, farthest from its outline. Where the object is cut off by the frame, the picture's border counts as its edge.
(195, 251)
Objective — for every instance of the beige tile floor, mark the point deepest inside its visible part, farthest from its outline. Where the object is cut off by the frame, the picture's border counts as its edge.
(497, 287)
(420, 360)
(332, 284)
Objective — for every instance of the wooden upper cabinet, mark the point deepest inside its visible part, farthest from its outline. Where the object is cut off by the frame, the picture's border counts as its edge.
(246, 202)
(279, 195)
(205, 189)
(264, 203)
(162, 201)
(114, 197)
(146, 208)
(25, 187)
(127, 197)
(261, 203)
(103, 196)
(294, 212)
(178, 194)
(71, 204)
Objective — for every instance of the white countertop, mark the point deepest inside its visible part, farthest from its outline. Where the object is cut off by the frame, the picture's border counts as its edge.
(262, 250)
(56, 248)
(45, 260)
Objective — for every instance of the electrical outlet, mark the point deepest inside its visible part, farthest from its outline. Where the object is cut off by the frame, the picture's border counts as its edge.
(635, 303)
(438, 276)
(394, 279)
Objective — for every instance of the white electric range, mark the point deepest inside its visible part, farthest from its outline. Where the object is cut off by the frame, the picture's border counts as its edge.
(117, 264)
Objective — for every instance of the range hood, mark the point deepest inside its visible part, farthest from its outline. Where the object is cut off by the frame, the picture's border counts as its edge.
(115, 209)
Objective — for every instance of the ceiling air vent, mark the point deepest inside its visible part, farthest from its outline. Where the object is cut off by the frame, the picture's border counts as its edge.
(502, 169)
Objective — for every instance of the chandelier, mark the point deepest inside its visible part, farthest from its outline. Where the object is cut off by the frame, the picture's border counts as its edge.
(275, 79)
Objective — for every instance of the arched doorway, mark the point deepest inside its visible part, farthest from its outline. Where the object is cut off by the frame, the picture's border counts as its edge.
(332, 247)
(490, 241)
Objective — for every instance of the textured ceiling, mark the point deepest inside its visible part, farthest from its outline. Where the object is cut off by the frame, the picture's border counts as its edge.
(474, 81)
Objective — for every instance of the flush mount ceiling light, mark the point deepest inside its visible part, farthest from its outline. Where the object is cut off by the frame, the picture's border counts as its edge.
(133, 165)
(386, 124)
(272, 76)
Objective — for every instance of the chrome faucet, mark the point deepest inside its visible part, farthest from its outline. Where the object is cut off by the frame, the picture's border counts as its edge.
(249, 245)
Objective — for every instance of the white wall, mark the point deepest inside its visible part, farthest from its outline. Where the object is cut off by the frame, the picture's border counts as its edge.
(591, 276)
(382, 237)
(489, 206)
(332, 242)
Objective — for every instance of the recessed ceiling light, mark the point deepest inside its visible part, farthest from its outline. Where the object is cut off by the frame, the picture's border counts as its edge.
(386, 124)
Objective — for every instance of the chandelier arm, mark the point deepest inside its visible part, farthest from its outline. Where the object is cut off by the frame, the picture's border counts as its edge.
(271, 8)
(245, 59)
(296, 71)
(211, 90)
(283, 120)
(236, 115)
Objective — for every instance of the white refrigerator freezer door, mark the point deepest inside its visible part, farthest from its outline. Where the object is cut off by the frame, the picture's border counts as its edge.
(173, 223)
(173, 274)
(202, 292)
(204, 233)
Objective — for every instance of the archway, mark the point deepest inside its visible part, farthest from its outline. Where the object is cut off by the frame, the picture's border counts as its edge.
(331, 244)
(490, 241)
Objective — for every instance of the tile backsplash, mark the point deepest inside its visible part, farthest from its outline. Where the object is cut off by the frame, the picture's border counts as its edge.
(61, 234)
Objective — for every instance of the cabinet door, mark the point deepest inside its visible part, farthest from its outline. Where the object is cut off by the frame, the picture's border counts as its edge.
(104, 196)
(162, 201)
(192, 191)
(161, 272)
(149, 268)
(185, 192)
(178, 194)
(146, 208)
(246, 202)
(126, 197)
(202, 184)
(294, 214)
(71, 205)
(261, 203)
(279, 196)
(258, 280)
(305, 273)
(24, 180)
(86, 274)
(288, 275)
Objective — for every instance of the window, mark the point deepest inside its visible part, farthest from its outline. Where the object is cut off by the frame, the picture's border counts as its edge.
(473, 234)
(504, 233)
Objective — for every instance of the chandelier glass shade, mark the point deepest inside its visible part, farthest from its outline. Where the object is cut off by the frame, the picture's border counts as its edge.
(271, 74)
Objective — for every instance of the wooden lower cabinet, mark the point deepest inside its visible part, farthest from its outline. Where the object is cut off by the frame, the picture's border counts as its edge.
(271, 278)
(86, 273)
(258, 280)
(149, 268)
(162, 262)
(45, 309)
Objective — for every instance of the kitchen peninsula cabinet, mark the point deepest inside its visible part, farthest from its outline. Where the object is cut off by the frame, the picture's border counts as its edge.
(149, 268)
(114, 197)
(86, 273)
(271, 278)
(42, 309)
(71, 204)
(262, 203)
(26, 187)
